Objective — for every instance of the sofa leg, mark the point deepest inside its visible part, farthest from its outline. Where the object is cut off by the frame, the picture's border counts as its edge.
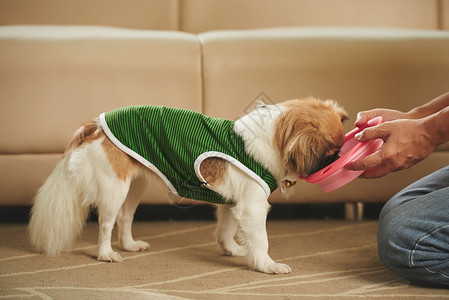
(354, 211)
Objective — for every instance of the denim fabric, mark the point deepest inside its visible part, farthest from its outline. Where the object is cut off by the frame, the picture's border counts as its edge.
(413, 234)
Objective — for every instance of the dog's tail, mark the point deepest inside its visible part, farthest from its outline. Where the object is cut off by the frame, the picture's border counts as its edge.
(60, 207)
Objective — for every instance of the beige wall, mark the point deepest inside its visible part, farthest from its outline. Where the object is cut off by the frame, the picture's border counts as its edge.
(444, 14)
(198, 15)
(203, 15)
(138, 14)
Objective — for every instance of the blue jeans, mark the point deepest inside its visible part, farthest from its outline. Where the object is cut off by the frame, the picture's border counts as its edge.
(413, 234)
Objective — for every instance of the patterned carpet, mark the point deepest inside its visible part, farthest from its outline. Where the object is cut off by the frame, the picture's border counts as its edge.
(330, 260)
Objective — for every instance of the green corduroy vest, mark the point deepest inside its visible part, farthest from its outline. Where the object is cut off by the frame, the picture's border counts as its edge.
(173, 142)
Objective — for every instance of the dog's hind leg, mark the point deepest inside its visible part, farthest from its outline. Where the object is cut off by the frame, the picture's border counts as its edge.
(110, 200)
(226, 231)
(114, 184)
(126, 216)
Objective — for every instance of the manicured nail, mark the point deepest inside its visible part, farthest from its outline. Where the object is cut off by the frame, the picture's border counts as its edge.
(358, 136)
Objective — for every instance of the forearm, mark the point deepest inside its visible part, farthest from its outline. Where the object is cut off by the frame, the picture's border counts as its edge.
(437, 125)
(429, 108)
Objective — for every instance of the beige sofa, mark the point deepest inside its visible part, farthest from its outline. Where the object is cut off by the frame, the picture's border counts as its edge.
(63, 62)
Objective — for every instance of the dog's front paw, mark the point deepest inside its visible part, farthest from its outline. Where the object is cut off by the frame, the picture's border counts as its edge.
(262, 262)
(110, 257)
(269, 266)
(136, 246)
(277, 268)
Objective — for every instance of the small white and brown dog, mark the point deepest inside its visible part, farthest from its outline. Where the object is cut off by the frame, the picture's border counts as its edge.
(284, 141)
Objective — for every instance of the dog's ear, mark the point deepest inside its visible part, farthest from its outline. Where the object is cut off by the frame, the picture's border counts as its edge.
(309, 134)
(308, 151)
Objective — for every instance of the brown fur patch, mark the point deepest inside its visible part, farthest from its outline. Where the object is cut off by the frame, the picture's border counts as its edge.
(122, 164)
(213, 170)
(87, 133)
(308, 133)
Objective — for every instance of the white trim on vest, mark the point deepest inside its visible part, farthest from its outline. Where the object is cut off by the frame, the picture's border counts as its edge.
(134, 154)
(233, 161)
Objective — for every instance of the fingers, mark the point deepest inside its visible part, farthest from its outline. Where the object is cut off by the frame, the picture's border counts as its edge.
(367, 163)
(374, 163)
(362, 118)
(365, 116)
(386, 114)
(375, 173)
(371, 133)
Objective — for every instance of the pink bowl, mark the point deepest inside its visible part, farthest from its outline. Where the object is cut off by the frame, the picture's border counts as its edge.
(334, 176)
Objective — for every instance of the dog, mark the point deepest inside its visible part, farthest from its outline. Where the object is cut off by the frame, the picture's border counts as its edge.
(271, 146)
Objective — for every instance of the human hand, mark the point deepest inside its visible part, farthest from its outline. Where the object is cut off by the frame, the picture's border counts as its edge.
(386, 114)
(406, 142)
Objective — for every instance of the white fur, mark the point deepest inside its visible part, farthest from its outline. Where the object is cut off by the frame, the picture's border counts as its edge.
(58, 216)
(247, 219)
(257, 131)
(84, 178)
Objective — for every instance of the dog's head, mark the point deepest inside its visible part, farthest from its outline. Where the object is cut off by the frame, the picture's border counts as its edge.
(309, 134)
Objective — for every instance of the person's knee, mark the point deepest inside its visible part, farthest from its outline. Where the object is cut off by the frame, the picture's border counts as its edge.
(392, 252)
(412, 252)
(396, 201)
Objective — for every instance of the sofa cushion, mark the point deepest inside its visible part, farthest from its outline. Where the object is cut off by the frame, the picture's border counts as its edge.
(53, 78)
(361, 68)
